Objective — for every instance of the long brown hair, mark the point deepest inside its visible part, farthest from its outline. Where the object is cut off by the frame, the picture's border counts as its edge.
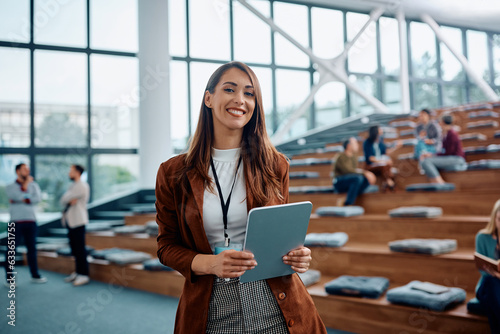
(260, 158)
(491, 227)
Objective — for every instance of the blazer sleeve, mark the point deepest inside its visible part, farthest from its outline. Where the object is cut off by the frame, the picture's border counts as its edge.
(171, 250)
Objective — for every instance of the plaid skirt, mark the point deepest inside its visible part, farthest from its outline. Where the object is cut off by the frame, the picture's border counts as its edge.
(249, 308)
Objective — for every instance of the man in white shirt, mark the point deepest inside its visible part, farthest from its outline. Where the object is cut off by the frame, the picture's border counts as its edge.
(75, 217)
(24, 194)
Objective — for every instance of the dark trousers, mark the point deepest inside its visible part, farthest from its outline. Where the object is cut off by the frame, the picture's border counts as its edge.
(28, 231)
(76, 238)
(352, 184)
(489, 296)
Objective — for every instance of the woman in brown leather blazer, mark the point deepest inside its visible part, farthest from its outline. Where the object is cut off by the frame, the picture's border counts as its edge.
(213, 301)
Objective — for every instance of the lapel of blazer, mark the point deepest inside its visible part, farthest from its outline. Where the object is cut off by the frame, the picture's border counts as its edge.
(198, 189)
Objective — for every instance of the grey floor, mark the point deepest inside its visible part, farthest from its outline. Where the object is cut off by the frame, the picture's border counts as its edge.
(59, 308)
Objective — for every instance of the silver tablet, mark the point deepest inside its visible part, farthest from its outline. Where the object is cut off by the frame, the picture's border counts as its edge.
(273, 231)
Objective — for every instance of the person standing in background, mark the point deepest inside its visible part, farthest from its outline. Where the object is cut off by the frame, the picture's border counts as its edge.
(75, 217)
(23, 195)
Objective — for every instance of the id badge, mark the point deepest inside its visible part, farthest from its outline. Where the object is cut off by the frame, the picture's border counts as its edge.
(220, 247)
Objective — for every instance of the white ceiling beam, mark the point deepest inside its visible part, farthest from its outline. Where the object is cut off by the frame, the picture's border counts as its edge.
(335, 67)
(478, 79)
(403, 56)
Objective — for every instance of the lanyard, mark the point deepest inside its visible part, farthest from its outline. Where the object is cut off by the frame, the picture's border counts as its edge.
(224, 205)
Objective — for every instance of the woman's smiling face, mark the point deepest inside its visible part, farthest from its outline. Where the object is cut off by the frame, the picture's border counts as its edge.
(232, 102)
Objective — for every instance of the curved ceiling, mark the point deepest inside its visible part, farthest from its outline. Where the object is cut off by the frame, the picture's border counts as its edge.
(476, 14)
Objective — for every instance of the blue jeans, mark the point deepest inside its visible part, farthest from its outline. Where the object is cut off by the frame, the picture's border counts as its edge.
(489, 296)
(352, 184)
(28, 231)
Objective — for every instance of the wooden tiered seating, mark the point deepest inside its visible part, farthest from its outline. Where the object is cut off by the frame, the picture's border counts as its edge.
(465, 212)
(140, 242)
(139, 219)
(132, 276)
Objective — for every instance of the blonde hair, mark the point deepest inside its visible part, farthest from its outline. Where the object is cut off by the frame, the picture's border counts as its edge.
(491, 228)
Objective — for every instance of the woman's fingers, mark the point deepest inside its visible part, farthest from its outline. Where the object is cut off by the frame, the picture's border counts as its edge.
(299, 259)
(234, 263)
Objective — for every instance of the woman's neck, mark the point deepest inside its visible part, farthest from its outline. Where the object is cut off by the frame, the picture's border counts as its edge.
(227, 141)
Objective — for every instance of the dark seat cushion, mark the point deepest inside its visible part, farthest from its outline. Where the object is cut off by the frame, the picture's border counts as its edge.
(310, 277)
(128, 257)
(357, 286)
(340, 211)
(484, 164)
(102, 253)
(424, 246)
(408, 295)
(430, 187)
(482, 124)
(416, 212)
(129, 229)
(337, 239)
(304, 175)
(155, 265)
(66, 251)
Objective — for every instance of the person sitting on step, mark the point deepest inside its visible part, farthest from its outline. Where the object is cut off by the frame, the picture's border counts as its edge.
(348, 178)
(376, 159)
(451, 154)
(428, 134)
(488, 287)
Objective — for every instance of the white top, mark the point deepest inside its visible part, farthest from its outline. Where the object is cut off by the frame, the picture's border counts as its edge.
(225, 162)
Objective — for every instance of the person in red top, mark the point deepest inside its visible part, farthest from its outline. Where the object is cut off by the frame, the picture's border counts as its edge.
(451, 157)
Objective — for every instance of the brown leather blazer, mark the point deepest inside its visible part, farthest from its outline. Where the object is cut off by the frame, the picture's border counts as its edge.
(182, 236)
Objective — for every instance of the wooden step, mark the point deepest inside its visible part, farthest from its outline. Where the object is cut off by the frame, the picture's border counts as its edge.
(381, 229)
(371, 315)
(319, 181)
(468, 203)
(141, 242)
(467, 180)
(111, 215)
(409, 166)
(131, 276)
(456, 268)
(139, 219)
(469, 143)
(401, 150)
(378, 316)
